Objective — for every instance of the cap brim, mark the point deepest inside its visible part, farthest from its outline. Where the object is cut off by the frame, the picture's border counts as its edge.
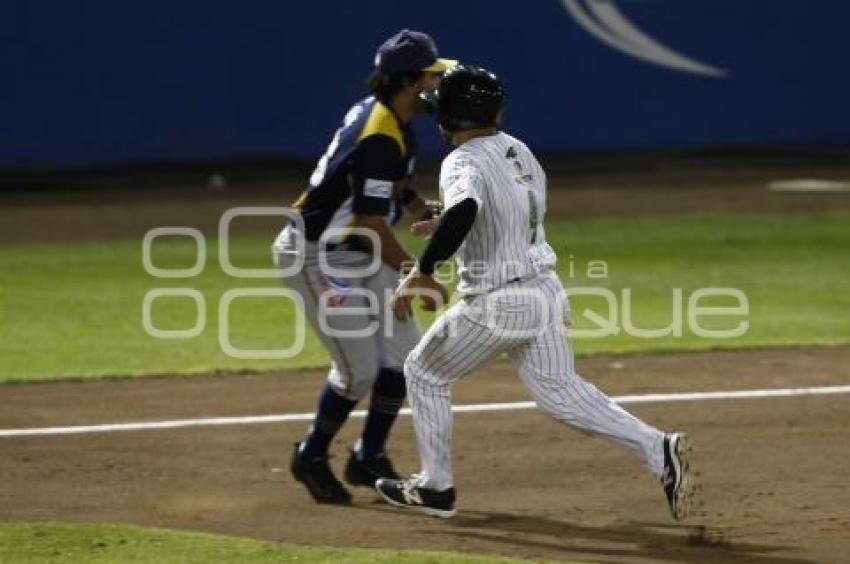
(441, 65)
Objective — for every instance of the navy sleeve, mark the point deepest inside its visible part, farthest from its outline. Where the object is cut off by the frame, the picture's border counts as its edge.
(377, 163)
(412, 150)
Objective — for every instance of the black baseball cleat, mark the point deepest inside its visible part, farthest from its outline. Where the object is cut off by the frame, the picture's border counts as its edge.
(676, 478)
(405, 493)
(367, 471)
(317, 477)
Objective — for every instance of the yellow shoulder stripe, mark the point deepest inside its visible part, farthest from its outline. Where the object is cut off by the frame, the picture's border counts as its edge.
(381, 121)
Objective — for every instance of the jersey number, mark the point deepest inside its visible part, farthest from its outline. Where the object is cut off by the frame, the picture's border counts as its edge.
(318, 175)
(533, 215)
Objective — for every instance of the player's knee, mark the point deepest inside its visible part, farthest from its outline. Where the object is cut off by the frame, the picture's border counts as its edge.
(558, 411)
(412, 370)
(357, 390)
(355, 384)
(548, 408)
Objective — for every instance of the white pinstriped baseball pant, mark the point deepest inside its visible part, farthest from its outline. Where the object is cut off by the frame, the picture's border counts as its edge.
(525, 320)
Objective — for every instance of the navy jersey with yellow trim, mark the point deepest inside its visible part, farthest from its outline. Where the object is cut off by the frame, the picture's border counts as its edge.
(360, 171)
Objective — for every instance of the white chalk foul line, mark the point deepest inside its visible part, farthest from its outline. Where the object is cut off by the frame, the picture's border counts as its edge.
(468, 408)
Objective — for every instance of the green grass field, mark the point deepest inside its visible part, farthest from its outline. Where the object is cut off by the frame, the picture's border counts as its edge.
(26, 543)
(75, 310)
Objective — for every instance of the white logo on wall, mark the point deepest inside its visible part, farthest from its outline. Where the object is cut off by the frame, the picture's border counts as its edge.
(603, 20)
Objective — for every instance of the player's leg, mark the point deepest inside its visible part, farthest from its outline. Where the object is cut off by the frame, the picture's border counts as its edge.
(451, 348)
(546, 366)
(353, 351)
(349, 338)
(395, 339)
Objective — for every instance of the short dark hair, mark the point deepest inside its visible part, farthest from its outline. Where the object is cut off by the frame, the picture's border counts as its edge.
(385, 85)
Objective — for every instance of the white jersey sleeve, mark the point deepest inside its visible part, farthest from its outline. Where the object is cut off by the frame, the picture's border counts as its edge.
(460, 179)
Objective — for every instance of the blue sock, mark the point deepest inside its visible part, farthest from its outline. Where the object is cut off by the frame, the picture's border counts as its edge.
(332, 411)
(388, 395)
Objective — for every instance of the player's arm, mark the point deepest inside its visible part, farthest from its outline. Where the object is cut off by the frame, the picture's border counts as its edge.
(415, 207)
(426, 214)
(377, 163)
(392, 252)
(453, 227)
(413, 204)
(419, 208)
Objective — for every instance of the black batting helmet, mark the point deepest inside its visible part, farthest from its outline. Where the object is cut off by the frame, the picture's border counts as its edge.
(468, 97)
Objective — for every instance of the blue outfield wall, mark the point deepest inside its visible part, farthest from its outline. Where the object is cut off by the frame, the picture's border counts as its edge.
(101, 82)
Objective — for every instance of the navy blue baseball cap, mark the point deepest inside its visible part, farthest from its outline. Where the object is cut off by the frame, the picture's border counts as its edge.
(410, 51)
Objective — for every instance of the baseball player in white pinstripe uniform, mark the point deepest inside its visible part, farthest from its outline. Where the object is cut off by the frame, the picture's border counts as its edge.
(494, 194)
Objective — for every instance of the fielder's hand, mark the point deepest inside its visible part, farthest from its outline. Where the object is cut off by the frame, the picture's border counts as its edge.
(424, 228)
(417, 284)
(433, 209)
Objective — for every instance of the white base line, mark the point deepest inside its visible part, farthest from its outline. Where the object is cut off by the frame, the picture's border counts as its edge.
(469, 408)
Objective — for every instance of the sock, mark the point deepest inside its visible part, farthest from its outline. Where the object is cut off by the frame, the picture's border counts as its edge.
(388, 394)
(332, 411)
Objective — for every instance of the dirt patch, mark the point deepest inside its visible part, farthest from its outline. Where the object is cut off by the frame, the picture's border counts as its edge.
(772, 471)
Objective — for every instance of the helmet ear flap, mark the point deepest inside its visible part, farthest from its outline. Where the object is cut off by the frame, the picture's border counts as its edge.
(446, 115)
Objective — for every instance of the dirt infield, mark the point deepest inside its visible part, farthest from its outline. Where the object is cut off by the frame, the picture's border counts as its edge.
(773, 472)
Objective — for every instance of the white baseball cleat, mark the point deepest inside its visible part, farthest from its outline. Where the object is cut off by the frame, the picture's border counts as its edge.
(405, 493)
(676, 478)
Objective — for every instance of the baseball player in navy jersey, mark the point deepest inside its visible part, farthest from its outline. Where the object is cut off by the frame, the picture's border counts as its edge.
(511, 301)
(359, 188)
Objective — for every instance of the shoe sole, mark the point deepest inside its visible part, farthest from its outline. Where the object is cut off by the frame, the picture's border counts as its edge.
(432, 511)
(684, 493)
